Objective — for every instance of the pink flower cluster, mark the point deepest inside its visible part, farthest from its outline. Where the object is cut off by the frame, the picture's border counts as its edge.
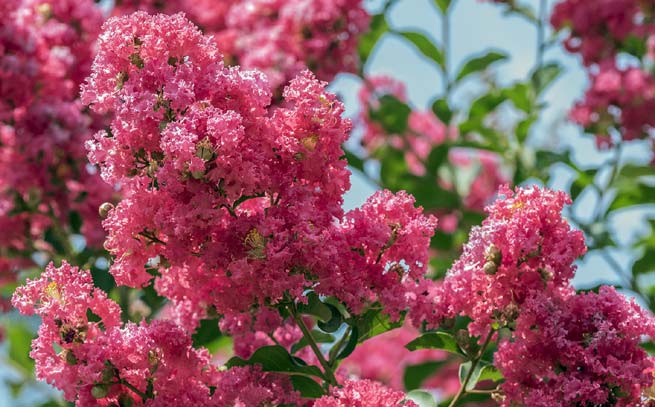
(578, 350)
(232, 203)
(522, 248)
(618, 98)
(426, 132)
(364, 393)
(279, 37)
(559, 348)
(85, 350)
(45, 53)
(597, 30)
(618, 103)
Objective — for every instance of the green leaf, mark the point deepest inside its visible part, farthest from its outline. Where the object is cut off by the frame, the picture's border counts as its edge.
(634, 45)
(545, 75)
(372, 323)
(634, 171)
(480, 373)
(523, 128)
(75, 221)
(522, 96)
(276, 359)
(315, 308)
(464, 370)
(367, 42)
(415, 375)
(19, 337)
(438, 156)
(422, 398)
(334, 323)
(489, 372)
(307, 387)
(645, 263)
(392, 114)
(442, 110)
(435, 340)
(353, 160)
(353, 339)
(206, 333)
(423, 44)
(319, 337)
(480, 63)
(443, 5)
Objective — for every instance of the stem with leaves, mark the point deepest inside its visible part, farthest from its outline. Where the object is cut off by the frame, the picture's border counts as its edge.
(541, 42)
(474, 364)
(329, 374)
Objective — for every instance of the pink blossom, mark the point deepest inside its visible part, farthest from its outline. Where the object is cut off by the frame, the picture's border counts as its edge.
(363, 393)
(524, 246)
(582, 349)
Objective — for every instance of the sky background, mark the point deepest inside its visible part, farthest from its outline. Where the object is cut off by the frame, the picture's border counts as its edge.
(476, 27)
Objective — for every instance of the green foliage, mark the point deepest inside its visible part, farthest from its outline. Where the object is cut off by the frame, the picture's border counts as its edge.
(427, 47)
(436, 340)
(480, 63)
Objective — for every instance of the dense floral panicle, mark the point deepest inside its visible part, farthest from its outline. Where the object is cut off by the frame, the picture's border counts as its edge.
(599, 28)
(235, 203)
(280, 37)
(96, 361)
(249, 386)
(208, 14)
(524, 246)
(618, 98)
(580, 350)
(376, 253)
(363, 393)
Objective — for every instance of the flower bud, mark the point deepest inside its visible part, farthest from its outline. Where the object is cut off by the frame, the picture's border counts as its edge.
(100, 391)
(104, 209)
(493, 254)
(490, 268)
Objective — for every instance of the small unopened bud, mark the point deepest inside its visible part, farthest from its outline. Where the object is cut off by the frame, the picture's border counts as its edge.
(104, 209)
(45, 10)
(205, 150)
(490, 268)
(100, 391)
(108, 373)
(546, 274)
(511, 312)
(462, 338)
(493, 254)
(121, 78)
(310, 142)
(152, 357)
(498, 396)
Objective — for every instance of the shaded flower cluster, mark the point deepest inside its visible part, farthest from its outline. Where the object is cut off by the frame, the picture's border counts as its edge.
(555, 347)
(364, 393)
(47, 191)
(279, 37)
(578, 350)
(85, 350)
(617, 104)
